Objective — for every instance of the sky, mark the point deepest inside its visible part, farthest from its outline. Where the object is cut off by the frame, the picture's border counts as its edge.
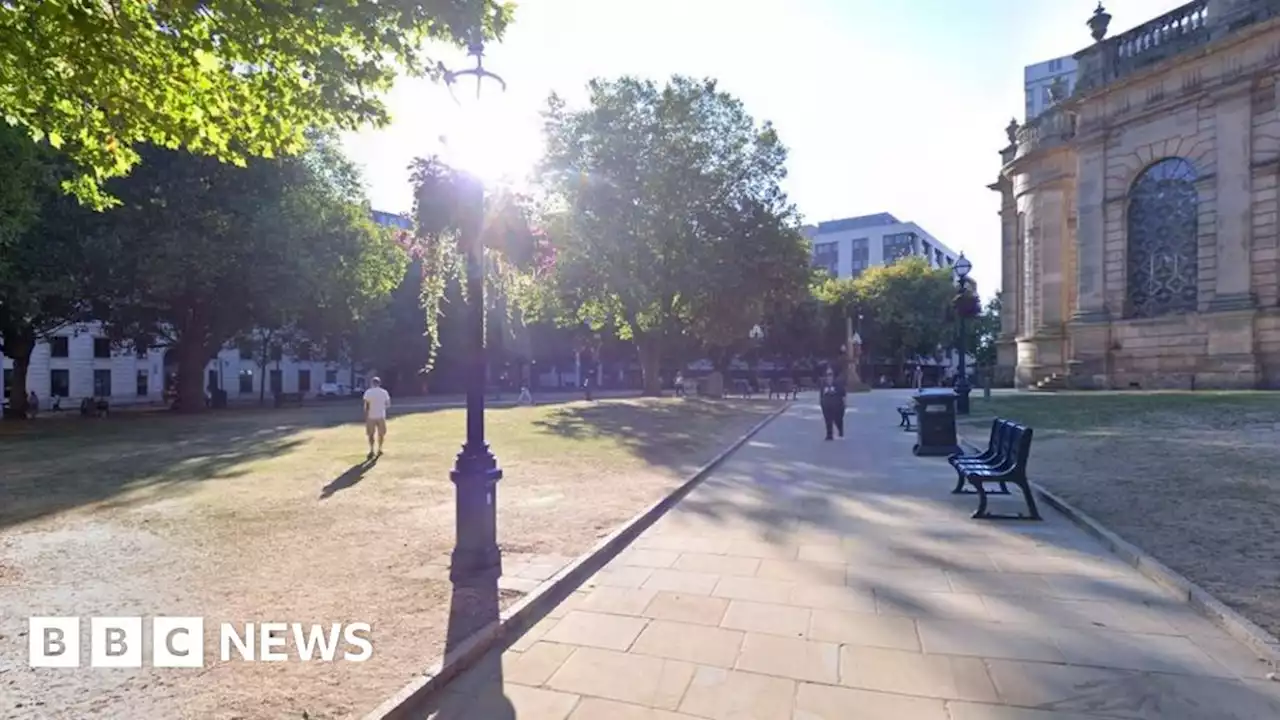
(886, 106)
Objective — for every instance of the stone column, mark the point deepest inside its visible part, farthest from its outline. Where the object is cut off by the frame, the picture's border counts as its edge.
(1233, 125)
(1051, 212)
(1090, 235)
(1009, 271)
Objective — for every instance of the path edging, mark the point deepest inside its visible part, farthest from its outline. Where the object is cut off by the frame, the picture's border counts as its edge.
(516, 619)
(1266, 645)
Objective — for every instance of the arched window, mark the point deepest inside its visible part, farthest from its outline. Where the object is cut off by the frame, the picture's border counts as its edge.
(1163, 236)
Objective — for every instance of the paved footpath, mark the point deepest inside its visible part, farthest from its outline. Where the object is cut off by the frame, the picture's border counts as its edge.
(841, 580)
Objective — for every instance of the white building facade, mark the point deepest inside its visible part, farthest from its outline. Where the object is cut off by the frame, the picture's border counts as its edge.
(1040, 77)
(848, 246)
(79, 362)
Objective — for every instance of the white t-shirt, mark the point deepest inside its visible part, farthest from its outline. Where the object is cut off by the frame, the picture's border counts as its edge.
(378, 400)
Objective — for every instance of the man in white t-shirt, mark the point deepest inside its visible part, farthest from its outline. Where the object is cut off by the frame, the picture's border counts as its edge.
(376, 403)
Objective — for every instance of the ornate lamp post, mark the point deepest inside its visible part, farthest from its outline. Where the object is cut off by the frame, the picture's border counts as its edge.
(962, 268)
(475, 472)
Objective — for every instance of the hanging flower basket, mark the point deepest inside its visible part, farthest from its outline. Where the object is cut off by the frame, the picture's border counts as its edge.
(967, 305)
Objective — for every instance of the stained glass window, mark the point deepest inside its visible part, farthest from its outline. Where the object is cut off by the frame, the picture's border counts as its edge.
(1163, 237)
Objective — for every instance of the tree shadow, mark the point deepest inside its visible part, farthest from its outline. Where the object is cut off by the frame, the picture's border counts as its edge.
(54, 465)
(871, 518)
(350, 477)
(668, 434)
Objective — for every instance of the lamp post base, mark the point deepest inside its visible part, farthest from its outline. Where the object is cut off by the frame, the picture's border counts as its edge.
(962, 397)
(475, 553)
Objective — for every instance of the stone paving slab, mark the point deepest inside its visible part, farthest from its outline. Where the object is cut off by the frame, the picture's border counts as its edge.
(812, 580)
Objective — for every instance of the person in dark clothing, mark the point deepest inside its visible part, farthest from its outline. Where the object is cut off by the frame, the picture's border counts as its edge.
(831, 398)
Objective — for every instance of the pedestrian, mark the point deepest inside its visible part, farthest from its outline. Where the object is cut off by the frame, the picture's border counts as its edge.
(679, 383)
(526, 397)
(376, 403)
(33, 404)
(831, 399)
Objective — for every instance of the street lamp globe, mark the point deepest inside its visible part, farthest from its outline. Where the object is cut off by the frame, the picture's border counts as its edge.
(756, 333)
(963, 266)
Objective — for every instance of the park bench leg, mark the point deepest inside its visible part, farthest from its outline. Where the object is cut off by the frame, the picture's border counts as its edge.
(1032, 510)
(983, 514)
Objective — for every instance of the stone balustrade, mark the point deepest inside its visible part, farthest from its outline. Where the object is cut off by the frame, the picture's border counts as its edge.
(1055, 126)
(1163, 37)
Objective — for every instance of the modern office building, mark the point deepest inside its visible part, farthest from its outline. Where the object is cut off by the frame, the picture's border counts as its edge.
(1039, 79)
(79, 361)
(847, 247)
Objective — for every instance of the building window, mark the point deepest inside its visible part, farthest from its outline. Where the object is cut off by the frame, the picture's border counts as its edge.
(246, 382)
(827, 256)
(59, 347)
(861, 255)
(143, 386)
(898, 246)
(101, 348)
(277, 353)
(102, 383)
(246, 351)
(8, 381)
(140, 351)
(304, 352)
(304, 381)
(331, 376)
(1163, 242)
(60, 383)
(937, 256)
(277, 381)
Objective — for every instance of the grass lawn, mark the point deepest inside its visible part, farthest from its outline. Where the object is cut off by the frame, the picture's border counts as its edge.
(256, 516)
(1192, 478)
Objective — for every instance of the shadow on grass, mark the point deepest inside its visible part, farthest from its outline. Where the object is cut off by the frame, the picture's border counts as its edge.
(663, 433)
(350, 477)
(48, 466)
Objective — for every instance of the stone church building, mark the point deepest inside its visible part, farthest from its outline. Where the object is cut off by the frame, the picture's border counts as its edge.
(1139, 229)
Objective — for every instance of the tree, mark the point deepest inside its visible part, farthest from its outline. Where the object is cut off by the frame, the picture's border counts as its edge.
(202, 253)
(43, 285)
(667, 216)
(231, 80)
(982, 333)
(904, 304)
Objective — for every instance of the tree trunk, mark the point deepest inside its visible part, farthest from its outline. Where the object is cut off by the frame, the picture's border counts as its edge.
(19, 348)
(650, 365)
(192, 357)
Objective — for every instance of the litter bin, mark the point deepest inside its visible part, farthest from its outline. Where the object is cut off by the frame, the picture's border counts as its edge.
(935, 422)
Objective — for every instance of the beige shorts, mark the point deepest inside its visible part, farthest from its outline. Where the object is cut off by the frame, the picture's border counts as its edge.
(379, 424)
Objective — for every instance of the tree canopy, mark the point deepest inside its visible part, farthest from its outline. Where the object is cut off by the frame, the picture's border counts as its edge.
(232, 79)
(667, 215)
(201, 253)
(905, 307)
(43, 265)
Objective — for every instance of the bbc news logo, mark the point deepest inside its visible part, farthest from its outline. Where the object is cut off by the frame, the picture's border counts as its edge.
(178, 642)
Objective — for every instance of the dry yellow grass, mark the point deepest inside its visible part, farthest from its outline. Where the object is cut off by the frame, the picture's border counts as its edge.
(1189, 477)
(262, 516)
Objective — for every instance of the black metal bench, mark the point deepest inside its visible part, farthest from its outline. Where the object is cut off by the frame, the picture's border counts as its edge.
(284, 398)
(998, 447)
(1008, 465)
(906, 412)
